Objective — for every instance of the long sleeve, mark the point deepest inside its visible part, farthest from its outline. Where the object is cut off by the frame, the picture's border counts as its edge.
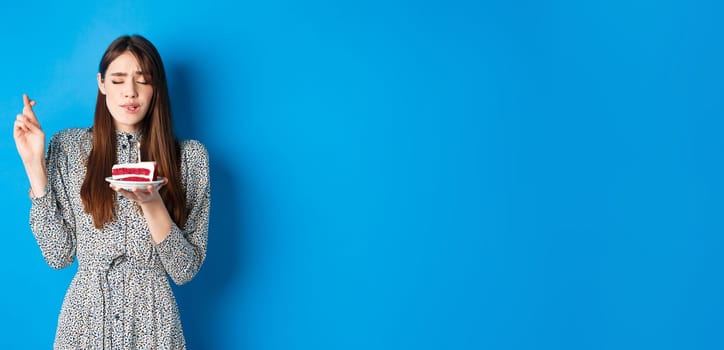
(51, 217)
(183, 251)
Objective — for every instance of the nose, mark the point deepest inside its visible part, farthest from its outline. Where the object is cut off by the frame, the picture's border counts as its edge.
(129, 90)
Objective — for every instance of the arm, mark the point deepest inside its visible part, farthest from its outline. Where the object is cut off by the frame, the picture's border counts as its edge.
(51, 219)
(182, 250)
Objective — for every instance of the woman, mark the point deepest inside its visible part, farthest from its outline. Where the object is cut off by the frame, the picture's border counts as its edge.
(126, 242)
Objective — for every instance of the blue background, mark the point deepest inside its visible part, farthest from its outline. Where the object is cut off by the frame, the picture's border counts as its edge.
(412, 174)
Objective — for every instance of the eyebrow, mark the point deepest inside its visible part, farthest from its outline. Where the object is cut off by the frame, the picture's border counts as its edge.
(123, 74)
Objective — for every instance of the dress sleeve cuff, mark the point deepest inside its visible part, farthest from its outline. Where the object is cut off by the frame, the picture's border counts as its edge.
(38, 195)
(41, 199)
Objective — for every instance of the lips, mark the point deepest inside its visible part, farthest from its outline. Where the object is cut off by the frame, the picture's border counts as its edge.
(131, 107)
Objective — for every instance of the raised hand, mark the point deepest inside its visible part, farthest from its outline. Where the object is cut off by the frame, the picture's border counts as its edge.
(29, 136)
(30, 142)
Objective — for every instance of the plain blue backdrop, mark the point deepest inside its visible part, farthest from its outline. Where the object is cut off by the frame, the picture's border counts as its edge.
(412, 174)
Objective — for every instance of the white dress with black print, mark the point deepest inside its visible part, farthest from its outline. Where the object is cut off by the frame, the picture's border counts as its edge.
(120, 297)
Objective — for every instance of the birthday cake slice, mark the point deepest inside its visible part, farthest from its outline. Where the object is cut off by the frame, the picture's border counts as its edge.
(137, 172)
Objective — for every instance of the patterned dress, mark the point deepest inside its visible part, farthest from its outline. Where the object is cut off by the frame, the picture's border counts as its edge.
(120, 297)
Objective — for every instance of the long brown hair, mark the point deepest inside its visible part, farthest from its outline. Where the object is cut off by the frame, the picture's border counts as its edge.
(156, 130)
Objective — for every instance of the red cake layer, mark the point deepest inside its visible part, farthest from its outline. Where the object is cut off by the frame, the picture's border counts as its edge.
(139, 172)
(131, 171)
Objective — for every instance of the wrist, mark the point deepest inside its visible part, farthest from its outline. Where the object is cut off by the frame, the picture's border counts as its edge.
(36, 194)
(35, 164)
(153, 206)
(38, 179)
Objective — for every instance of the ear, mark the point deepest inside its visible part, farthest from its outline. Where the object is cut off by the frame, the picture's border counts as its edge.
(101, 86)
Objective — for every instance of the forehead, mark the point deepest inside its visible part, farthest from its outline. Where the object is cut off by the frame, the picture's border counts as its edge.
(125, 63)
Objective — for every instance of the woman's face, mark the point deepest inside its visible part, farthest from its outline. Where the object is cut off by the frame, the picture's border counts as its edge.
(128, 95)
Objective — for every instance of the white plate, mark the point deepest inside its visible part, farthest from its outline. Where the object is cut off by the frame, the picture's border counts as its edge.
(130, 185)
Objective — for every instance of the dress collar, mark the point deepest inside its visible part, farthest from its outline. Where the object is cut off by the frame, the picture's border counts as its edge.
(131, 136)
